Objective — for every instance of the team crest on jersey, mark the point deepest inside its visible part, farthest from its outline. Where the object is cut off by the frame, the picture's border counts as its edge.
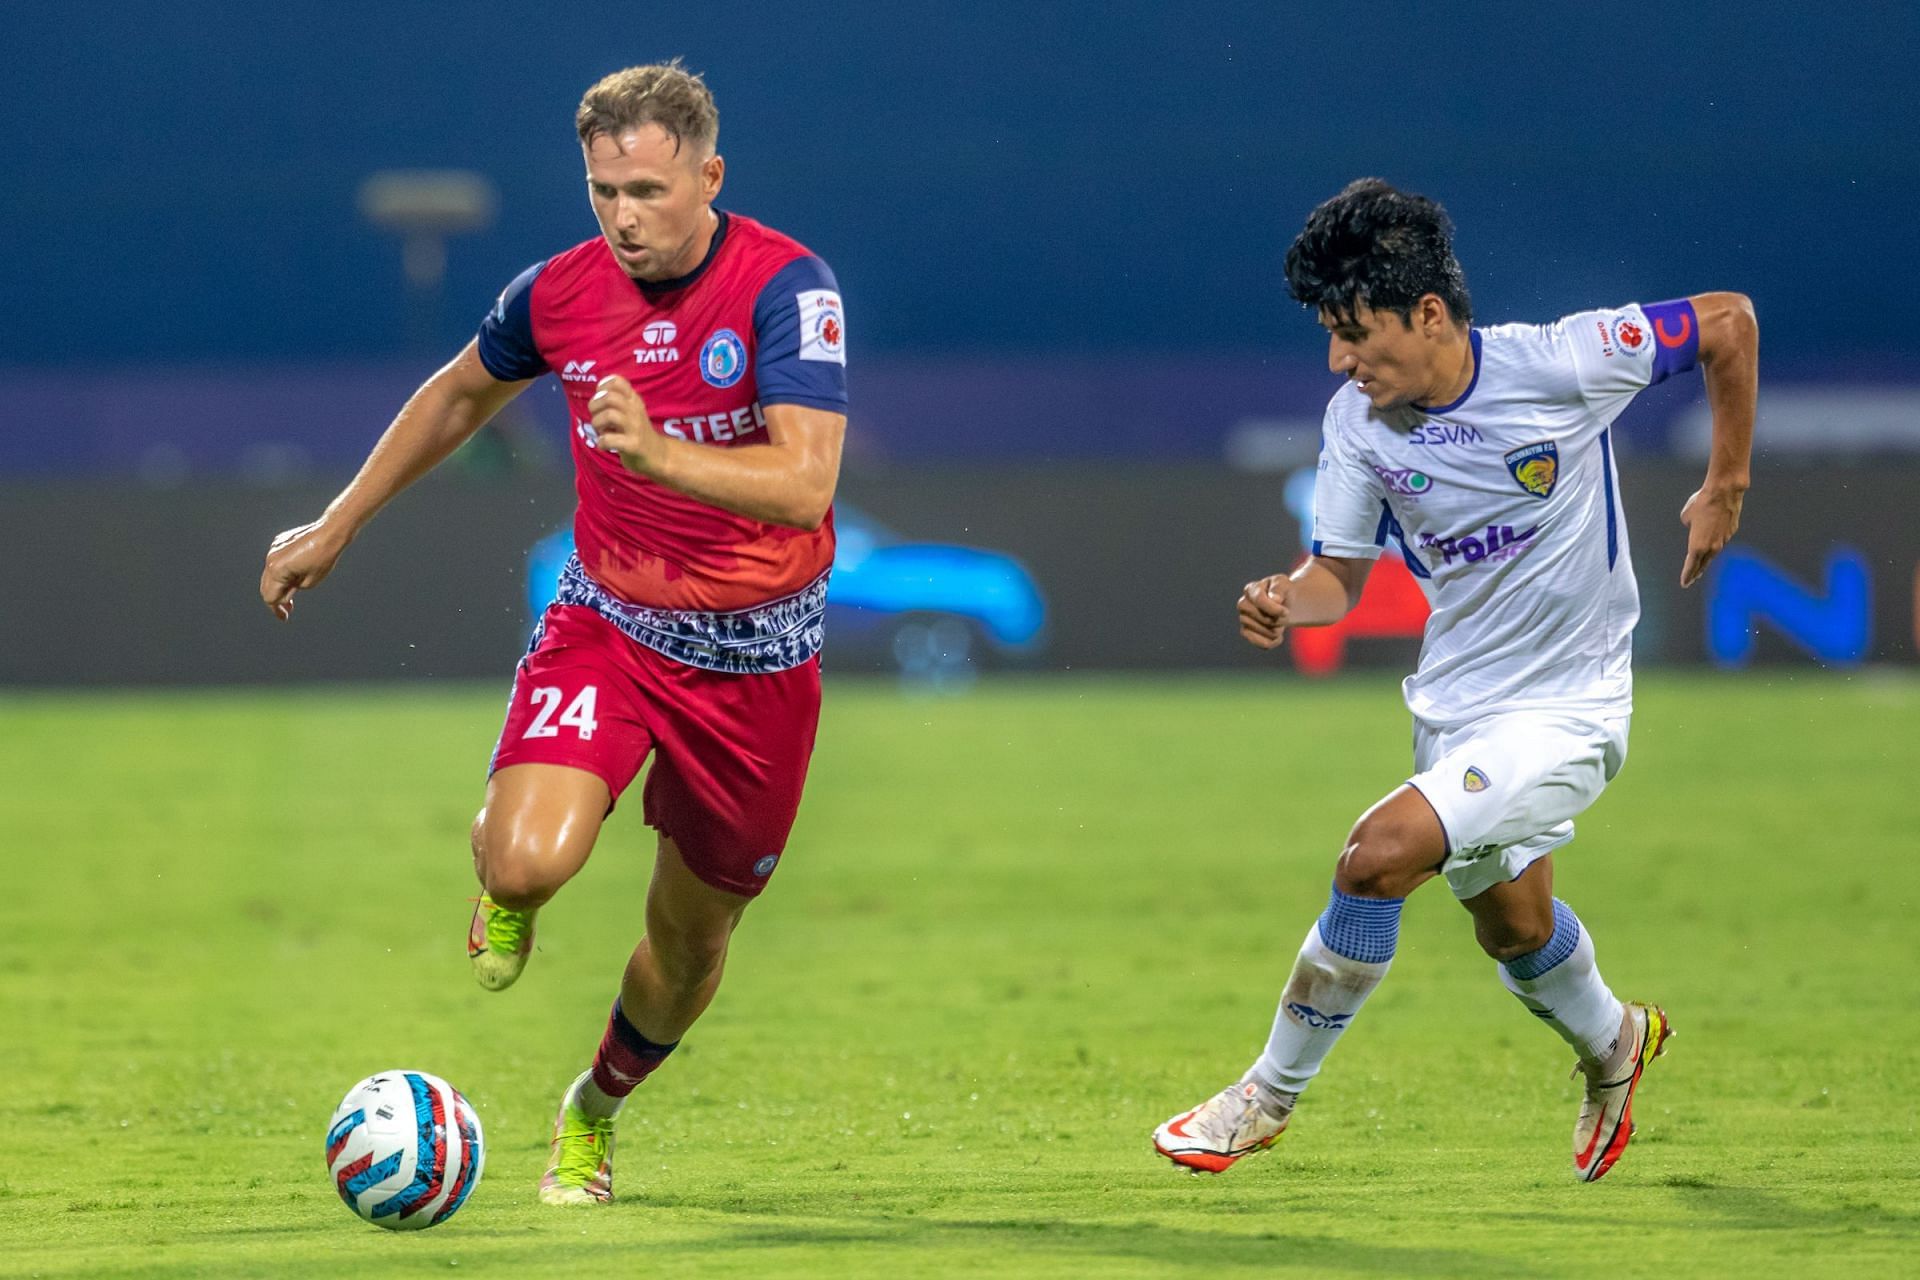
(1475, 780)
(723, 360)
(1537, 466)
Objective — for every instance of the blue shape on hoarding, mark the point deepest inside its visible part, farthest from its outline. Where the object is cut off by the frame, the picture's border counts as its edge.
(877, 576)
(1832, 625)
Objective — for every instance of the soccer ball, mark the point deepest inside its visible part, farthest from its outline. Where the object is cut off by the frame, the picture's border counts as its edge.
(405, 1150)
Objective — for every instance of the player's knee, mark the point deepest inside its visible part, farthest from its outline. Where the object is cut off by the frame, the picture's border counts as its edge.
(1515, 936)
(520, 871)
(1382, 860)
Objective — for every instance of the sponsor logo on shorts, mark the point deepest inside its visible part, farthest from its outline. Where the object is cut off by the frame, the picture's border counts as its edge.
(1473, 853)
(1536, 467)
(1403, 480)
(723, 359)
(765, 866)
(1475, 780)
(1318, 1020)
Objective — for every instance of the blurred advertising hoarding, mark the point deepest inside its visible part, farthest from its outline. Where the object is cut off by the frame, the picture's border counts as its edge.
(1132, 566)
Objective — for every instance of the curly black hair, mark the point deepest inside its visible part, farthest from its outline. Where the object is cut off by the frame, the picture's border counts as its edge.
(1379, 246)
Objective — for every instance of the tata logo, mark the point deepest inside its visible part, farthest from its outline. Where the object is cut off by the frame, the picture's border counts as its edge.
(1499, 542)
(1444, 433)
(658, 335)
(578, 371)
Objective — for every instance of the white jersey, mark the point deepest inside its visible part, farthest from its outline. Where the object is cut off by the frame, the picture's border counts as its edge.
(1506, 507)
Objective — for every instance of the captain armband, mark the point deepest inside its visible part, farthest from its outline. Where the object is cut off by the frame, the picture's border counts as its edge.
(1676, 337)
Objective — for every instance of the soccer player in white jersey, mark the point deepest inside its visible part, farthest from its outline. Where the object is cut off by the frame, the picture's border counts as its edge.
(1482, 456)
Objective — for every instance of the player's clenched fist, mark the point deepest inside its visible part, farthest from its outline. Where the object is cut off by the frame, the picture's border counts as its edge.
(298, 558)
(621, 424)
(1264, 609)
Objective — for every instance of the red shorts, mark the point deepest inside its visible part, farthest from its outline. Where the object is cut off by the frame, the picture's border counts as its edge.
(732, 750)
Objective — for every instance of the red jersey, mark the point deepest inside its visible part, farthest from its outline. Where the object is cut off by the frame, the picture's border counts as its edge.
(758, 322)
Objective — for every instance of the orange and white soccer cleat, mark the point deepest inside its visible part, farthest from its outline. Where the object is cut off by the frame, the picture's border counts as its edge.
(1605, 1125)
(1227, 1126)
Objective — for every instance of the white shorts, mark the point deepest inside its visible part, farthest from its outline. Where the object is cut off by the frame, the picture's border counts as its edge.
(1506, 787)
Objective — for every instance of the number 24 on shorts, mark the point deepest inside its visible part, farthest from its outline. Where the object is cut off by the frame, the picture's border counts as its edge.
(578, 716)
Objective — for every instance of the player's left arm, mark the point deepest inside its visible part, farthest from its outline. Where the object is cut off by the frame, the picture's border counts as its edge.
(788, 481)
(1729, 357)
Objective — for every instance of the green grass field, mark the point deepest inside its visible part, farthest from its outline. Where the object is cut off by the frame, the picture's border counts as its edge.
(1014, 931)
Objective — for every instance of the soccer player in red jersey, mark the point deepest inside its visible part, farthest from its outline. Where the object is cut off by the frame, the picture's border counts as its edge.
(703, 359)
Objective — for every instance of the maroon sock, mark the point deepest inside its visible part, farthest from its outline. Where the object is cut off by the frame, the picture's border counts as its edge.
(626, 1057)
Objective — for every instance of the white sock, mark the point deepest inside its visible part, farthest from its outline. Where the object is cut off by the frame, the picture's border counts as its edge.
(1322, 994)
(1562, 985)
(588, 1096)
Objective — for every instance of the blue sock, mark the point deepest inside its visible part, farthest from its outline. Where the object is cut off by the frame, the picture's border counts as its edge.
(1566, 936)
(1363, 929)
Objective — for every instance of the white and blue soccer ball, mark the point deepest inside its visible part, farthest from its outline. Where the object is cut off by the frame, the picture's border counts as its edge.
(405, 1150)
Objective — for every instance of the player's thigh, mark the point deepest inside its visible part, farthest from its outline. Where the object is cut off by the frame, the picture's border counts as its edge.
(1396, 846)
(1507, 788)
(576, 702)
(733, 753)
(538, 827)
(576, 733)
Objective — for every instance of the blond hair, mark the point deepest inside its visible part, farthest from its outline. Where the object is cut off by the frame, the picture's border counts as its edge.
(661, 93)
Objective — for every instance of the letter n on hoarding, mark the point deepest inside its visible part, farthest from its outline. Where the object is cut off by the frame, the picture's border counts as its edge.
(1833, 624)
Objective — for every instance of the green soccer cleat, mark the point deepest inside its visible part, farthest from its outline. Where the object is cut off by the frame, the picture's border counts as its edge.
(498, 942)
(581, 1168)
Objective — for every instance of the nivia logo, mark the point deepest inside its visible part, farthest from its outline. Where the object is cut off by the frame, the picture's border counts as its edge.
(578, 371)
(1317, 1020)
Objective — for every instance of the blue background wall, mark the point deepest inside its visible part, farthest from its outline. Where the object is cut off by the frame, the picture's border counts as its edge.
(1030, 179)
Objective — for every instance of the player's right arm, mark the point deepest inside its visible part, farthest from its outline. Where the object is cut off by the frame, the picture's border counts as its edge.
(447, 409)
(1320, 592)
(1348, 531)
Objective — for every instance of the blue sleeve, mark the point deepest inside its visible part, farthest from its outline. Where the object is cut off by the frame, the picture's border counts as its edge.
(800, 329)
(506, 335)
